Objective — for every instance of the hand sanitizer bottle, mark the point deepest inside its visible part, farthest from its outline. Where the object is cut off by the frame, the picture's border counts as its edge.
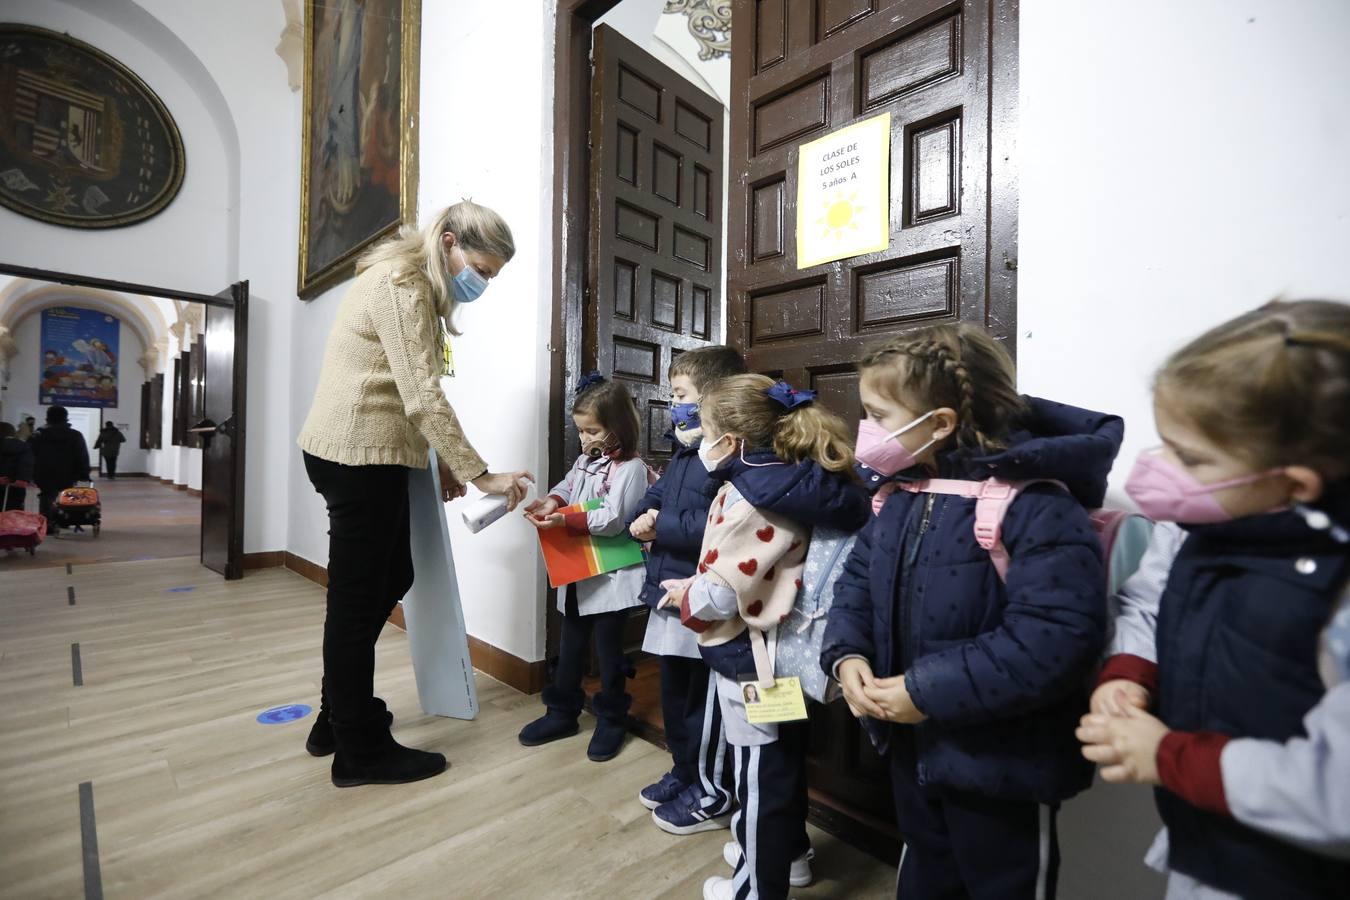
(490, 507)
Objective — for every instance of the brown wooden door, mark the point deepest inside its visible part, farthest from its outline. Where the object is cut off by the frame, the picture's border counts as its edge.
(654, 275)
(222, 433)
(945, 71)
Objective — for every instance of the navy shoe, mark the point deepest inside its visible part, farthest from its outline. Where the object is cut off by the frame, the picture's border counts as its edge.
(691, 812)
(663, 791)
(553, 725)
(611, 725)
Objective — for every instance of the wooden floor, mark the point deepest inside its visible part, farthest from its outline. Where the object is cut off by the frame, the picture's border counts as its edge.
(192, 797)
(143, 518)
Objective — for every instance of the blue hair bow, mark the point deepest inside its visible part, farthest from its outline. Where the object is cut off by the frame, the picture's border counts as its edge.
(590, 379)
(788, 396)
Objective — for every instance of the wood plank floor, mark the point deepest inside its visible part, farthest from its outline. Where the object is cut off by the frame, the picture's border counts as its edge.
(192, 797)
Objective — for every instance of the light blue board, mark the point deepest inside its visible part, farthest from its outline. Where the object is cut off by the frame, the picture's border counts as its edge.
(435, 620)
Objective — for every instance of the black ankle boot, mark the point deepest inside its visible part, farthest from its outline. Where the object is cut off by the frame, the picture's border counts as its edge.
(611, 726)
(320, 741)
(368, 754)
(560, 720)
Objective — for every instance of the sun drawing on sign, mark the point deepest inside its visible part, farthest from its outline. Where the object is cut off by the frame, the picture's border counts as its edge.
(840, 215)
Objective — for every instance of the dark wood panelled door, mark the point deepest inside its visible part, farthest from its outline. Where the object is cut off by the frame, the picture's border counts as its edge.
(654, 276)
(222, 431)
(655, 273)
(946, 73)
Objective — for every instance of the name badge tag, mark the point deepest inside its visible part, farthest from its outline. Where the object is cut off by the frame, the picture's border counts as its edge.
(784, 702)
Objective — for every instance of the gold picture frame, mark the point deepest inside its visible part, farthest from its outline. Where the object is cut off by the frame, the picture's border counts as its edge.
(346, 196)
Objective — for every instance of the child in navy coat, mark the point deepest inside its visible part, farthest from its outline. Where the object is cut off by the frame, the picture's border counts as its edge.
(1255, 421)
(696, 794)
(970, 686)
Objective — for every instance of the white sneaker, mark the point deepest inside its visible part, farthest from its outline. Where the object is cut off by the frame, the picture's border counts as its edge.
(718, 888)
(799, 876)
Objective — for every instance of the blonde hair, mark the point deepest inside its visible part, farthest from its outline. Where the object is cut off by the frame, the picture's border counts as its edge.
(740, 405)
(414, 251)
(1272, 386)
(956, 366)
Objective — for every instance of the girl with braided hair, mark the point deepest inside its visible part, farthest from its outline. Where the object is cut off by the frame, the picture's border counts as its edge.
(969, 683)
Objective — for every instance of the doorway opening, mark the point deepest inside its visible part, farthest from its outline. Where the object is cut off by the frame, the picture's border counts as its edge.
(153, 384)
(945, 75)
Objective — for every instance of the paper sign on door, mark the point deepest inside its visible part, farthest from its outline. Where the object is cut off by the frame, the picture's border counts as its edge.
(844, 193)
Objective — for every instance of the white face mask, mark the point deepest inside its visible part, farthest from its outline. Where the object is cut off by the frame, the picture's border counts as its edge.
(704, 454)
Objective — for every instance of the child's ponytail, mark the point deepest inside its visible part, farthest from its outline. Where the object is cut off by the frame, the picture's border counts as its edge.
(795, 430)
(811, 431)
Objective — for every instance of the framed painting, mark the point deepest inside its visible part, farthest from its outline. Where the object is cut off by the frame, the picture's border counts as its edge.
(84, 142)
(358, 179)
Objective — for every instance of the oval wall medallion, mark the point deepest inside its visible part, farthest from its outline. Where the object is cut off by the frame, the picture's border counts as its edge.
(83, 141)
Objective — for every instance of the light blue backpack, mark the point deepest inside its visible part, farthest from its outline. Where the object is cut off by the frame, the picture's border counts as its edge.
(802, 634)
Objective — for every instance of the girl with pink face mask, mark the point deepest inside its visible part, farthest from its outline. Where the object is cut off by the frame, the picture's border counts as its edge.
(969, 683)
(1254, 417)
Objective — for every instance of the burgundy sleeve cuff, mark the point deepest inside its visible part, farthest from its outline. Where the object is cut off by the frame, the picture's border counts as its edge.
(687, 619)
(1129, 667)
(576, 523)
(1188, 766)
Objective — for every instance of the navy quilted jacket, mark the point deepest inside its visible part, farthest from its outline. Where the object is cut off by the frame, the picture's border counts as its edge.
(1001, 671)
(803, 492)
(1238, 631)
(683, 494)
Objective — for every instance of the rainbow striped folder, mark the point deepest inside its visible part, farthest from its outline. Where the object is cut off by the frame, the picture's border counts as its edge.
(572, 557)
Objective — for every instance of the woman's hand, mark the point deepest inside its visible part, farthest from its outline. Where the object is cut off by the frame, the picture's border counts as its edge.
(1125, 746)
(507, 483)
(893, 697)
(855, 675)
(1111, 698)
(451, 487)
(644, 526)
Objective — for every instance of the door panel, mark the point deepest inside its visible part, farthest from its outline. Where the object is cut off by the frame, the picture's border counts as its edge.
(222, 431)
(655, 225)
(655, 241)
(802, 69)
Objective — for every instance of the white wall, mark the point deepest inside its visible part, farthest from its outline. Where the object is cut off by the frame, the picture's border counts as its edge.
(1193, 167)
(1180, 163)
(181, 246)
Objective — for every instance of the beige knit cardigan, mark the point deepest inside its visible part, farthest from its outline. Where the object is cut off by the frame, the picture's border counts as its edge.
(379, 400)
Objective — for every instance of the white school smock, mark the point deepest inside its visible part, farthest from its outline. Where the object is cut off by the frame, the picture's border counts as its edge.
(622, 588)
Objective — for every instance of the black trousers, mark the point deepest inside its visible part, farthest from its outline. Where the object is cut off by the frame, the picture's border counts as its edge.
(369, 571)
(16, 498)
(694, 733)
(770, 823)
(573, 654)
(48, 494)
(110, 464)
(964, 846)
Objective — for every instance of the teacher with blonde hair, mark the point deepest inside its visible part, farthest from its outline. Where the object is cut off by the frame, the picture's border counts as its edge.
(378, 408)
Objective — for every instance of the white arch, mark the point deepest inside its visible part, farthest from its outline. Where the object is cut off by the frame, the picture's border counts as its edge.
(149, 328)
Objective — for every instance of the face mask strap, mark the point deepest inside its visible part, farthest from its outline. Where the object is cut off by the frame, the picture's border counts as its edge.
(756, 465)
(1156, 456)
(902, 429)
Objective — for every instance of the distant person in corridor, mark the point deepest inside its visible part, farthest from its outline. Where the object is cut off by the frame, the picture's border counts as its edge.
(110, 443)
(60, 459)
(378, 406)
(16, 464)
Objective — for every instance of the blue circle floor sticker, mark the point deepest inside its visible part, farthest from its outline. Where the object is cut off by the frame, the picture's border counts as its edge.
(280, 715)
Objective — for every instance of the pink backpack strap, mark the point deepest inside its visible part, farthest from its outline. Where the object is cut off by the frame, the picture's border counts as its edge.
(992, 499)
